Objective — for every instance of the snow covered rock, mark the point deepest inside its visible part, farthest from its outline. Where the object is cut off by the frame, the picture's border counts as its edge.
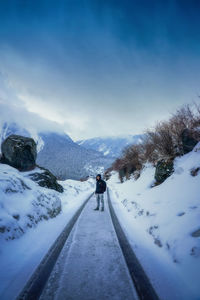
(164, 169)
(23, 203)
(19, 152)
(45, 179)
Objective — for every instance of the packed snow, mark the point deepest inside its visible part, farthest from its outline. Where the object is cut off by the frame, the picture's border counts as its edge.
(23, 203)
(162, 223)
(91, 264)
(24, 240)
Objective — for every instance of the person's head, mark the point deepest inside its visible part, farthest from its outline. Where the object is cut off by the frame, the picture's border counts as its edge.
(98, 177)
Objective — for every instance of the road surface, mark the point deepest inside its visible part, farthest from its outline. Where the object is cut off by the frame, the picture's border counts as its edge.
(91, 265)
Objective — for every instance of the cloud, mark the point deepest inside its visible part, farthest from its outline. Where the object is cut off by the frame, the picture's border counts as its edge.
(12, 109)
(100, 67)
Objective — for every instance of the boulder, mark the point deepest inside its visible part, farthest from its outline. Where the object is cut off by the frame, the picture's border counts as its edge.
(188, 141)
(196, 233)
(164, 169)
(19, 152)
(45, 179)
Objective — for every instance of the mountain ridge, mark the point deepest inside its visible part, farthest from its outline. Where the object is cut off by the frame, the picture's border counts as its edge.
(111, 146)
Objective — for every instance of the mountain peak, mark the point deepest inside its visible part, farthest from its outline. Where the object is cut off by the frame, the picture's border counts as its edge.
(111, 146)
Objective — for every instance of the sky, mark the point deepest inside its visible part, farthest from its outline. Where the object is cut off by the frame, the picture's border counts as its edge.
(100, 67)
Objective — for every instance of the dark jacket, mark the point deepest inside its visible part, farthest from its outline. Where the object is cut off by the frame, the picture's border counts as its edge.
(100, 186)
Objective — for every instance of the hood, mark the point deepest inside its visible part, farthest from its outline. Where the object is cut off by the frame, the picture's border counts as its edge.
(98, 175)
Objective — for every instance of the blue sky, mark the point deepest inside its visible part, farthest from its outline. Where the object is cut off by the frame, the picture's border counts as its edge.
(101, 67)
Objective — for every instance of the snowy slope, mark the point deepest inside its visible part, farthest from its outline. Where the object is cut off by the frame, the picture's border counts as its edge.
(163, 225)
(23, 203)
(112, 145)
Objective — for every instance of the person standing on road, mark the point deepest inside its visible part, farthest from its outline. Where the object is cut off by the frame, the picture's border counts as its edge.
(100, 189)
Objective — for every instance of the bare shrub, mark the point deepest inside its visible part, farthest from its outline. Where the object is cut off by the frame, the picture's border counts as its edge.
(187, 117)
(149, 151)
(163, 142)
(120, 166)
(133, 157)
(159, 142)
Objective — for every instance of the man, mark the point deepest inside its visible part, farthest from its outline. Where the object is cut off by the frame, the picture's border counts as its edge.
(100, 189)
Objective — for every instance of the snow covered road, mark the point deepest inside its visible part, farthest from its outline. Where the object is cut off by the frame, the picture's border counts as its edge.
(91, 264)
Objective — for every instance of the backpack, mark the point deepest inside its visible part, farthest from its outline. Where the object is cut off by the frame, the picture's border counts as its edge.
(104, 185)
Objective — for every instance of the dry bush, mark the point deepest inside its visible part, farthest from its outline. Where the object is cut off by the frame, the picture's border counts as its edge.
(166, 139)
(149, 152)
(133, 157)
(164, 142)
(187, 117)
(120, 167)
(107, 173)
(159, 142)
(197, 119)
(118, 164)
(182, 119)
(128, 163)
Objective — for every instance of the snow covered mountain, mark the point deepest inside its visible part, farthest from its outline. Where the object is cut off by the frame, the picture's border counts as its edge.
(66, 159)
(111, 146)
(58, 153)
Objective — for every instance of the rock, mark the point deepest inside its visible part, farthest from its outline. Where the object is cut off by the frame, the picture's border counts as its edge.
(46, 179)
(195, 251)
(188, 141)
(19, 152)
(164, 169)
(196, 233)
(136, 174)
(195, 171)
(16, 216)
(158, 242)
(181, 214)
(84, 178)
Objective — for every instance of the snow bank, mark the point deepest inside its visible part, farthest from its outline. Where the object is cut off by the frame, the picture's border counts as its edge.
(23, 203)
(163, 225)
